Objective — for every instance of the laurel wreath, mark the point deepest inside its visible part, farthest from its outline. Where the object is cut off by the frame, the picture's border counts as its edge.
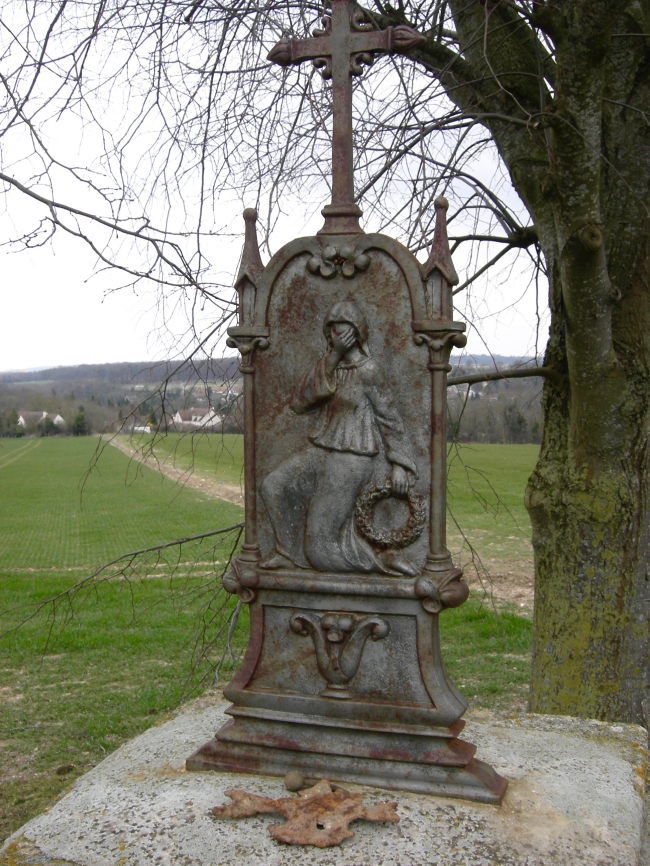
(396, 538)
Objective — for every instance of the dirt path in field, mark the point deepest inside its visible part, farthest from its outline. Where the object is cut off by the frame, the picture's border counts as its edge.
(228, 492)
(511, 580)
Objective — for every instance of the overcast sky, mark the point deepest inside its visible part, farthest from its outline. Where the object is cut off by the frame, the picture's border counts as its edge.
(59, 309)
(55, 312)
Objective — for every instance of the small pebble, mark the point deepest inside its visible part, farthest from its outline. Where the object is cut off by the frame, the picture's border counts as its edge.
(294, 781)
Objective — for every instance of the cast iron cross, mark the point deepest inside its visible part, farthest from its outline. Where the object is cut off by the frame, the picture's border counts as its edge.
(339, 50)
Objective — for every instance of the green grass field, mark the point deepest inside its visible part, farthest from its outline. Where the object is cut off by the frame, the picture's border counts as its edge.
(101, 681)
(46, 522)
(125, 657)
(486, 498)
(69, 697)
(486, 485)
(215, 455)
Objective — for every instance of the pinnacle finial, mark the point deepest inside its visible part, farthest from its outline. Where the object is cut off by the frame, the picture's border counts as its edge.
(251, 262)
(440, 256)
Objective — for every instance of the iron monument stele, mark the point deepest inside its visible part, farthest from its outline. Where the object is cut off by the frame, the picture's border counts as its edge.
(345, 341)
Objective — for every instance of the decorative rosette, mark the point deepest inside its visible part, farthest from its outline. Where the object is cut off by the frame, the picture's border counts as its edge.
(345, 260)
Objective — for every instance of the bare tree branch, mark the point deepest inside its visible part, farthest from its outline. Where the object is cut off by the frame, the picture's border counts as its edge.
(507, 373)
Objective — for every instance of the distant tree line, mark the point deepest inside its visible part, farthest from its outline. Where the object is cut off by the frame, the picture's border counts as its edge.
(504, 411)
(9, 423)
(129, 392)
(131, 372)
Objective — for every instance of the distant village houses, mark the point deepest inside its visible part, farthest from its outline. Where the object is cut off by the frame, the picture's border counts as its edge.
(195, 418)
(33, 419)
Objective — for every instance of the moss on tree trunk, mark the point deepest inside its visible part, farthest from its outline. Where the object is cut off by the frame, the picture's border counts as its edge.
(572, 126)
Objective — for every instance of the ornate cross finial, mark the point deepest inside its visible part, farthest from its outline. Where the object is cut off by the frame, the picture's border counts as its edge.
(346, 42)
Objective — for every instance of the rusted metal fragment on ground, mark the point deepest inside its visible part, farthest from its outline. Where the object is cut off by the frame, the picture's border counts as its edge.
(318, 816)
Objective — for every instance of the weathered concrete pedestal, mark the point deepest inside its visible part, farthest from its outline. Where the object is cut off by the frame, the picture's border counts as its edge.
(575, 798)
(393, 722)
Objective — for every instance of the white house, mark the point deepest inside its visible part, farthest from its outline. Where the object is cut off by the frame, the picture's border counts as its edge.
(56, 419)
(31, 419)
(195, 418)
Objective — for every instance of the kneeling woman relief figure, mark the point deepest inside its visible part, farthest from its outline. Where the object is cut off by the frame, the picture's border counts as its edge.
(312, 498)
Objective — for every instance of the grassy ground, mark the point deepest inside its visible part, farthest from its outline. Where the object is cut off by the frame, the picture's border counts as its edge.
(124, 660)
(45, 524)
(487, 654)
(108, 675)
(486, 498)
(104, 679)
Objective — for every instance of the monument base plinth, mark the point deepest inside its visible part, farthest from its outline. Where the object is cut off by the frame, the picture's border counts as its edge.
(343, 679)
(445, 767)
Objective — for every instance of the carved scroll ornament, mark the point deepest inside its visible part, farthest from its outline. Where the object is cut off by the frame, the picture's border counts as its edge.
(339, 639)
(446, 590)
(241, 580)
(246, 344)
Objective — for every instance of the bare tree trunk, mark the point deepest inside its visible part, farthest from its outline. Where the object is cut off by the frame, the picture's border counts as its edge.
(581, 164)
(588, 495)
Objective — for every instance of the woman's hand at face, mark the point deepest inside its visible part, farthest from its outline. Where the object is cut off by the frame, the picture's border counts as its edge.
(399, 480)
(343, 338)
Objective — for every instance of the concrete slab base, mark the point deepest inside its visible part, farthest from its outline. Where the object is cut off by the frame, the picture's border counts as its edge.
(575, 799)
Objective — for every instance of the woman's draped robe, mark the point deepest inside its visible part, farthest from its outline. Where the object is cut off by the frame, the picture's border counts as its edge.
(310, 497)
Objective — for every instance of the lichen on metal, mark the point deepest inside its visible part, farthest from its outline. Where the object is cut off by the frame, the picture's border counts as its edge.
(345, 341)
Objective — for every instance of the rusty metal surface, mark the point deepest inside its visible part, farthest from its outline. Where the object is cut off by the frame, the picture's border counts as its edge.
(336, 740)
(345, 723)
(298, 306)
(476, 781)
(400, 678)
(339, 639)
(345, 342)
(345, 44)
(308, 697)
(300, 703)
(318, 816)
(398, 729)
(379, 287)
